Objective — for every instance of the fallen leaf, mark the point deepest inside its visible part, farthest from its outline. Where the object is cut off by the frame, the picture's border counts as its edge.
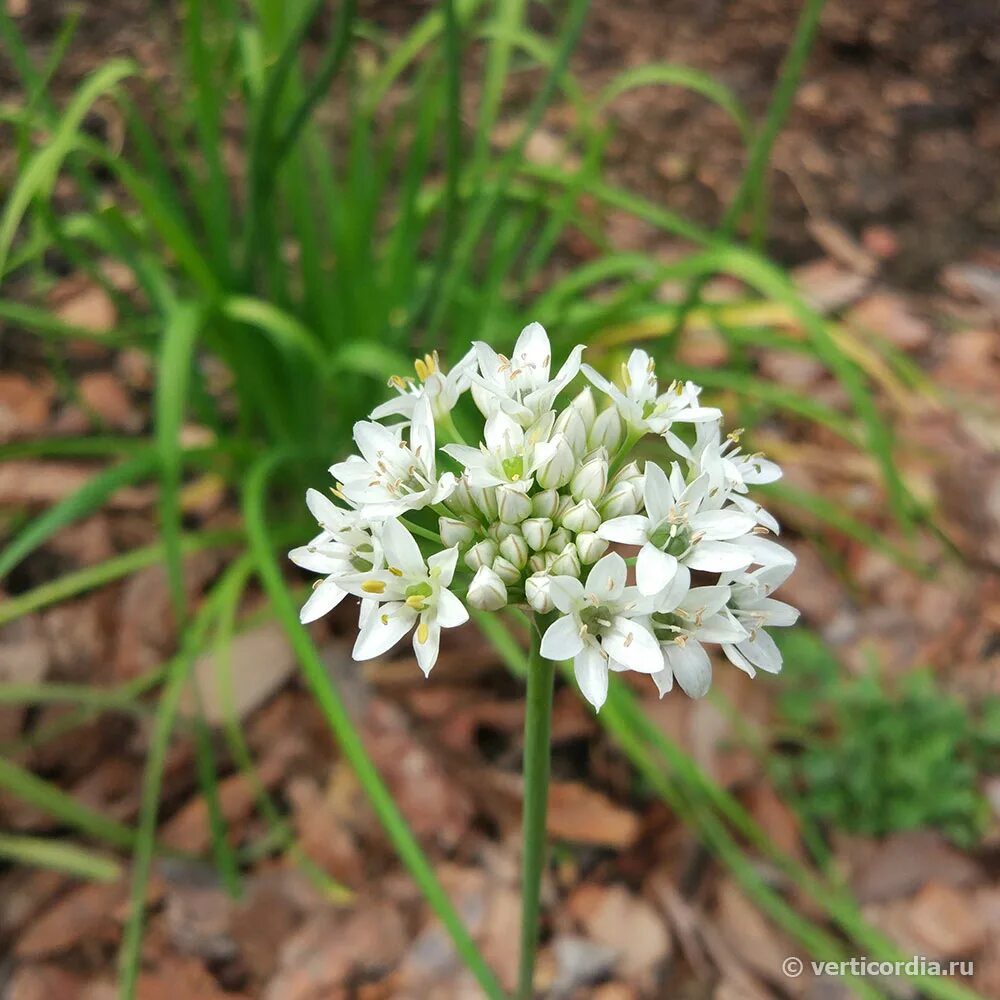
(24, 405)
(583, 816)
(43, 982)
(612, 916)
(104, 394)
(890, 316)
(79, 302)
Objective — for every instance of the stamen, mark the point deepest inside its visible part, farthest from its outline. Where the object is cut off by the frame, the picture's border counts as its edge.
(423, 632)
(373, 587)
(395, 570)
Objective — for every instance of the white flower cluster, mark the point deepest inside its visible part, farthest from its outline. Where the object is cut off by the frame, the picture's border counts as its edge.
(527, 516)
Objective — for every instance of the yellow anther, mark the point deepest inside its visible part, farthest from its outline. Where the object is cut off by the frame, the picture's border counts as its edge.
(416, 601)
(397, 382)
(384, 619)
(626, 378)
(395, 570)
(422, 632)
(373, 587)
(735, 435)
(422, 370)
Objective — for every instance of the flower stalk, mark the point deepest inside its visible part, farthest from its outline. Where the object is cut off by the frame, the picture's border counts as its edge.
(537, 736)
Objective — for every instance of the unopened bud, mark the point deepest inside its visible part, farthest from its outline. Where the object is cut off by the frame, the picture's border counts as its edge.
(536, 531)
(591, 479)
(515, 550)
(607, 430)
(513, 506)
(567, 563)
(590, 547)
(498, 531)
(559, 469)
(485, 500)
(584, 402)
(487, 592)
(455, 532)
(582, 516)
(536, 592)
(481, 554)
(544, 504)
(620, 500)
(571, 424)
(628, 473)
(506, 570)
(558, 540)
(538, 562)
(460, 501)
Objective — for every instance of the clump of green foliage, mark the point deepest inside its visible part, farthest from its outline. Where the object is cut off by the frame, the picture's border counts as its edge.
(876, 758)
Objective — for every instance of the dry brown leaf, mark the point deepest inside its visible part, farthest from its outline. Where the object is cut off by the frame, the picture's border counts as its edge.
(583, 816)
(612, 916)
(104, 394)
(24, 405)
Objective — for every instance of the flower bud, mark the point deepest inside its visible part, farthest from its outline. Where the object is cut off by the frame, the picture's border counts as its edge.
(515, 550)
(460, 500)
(536, 531)
(538, 562)
(536, 592)
(481, 554)
(621, 499)
(506, 570)
(455, 532)
(607, 430)
(627, 473)
(584, 402)
(590, 547)
(513, 506)
(498, 531)
(565, 502)
(487, 592)
(570, 423)
(544, 504)
(559, 469)
(582, 516)
(567, 563)
(591, 479)
(485, 500)
(558, 540)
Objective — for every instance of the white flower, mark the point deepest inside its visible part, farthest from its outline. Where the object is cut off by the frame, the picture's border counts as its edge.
(443, 390)
(510, 455)
(644, 408)
(682, 625)
(410, 593)
(346, 545)
(393, 475)
(754, 608)
(600, 628)
(519, 386)
(675, 530)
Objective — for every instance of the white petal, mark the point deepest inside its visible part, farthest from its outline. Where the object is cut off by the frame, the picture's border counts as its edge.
(654, 570)
(676, 590)
(451, 612)
(629, 529)
(465, 455)
(445, 562)
(373, 439)
(659, 496)
(718, 557)
(691, 667)
(737, 659)
(762, 652)
(704, 601)
(503, 436)
(427, 651)
(323, 599)
(664, 680)
(401, 550)
(778, 612)
(422, 432)
(307, 557)
(592, 675)
(532, 347)
(606, 579)
(721, 525)
(722, 627)
(383, 629)
(633, 646)
(597, 379)
(324, 510)
(562, 639)
(566, 593)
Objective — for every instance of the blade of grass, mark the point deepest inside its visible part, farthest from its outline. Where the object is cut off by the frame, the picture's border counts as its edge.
(57, 855)
(343, 729)
(173, 376)
(752, 183)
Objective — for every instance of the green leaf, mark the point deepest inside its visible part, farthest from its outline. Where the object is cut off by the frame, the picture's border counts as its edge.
(57, 855)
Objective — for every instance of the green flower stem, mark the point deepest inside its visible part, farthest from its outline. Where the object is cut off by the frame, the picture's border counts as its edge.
(537, 734)
(631, 440)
